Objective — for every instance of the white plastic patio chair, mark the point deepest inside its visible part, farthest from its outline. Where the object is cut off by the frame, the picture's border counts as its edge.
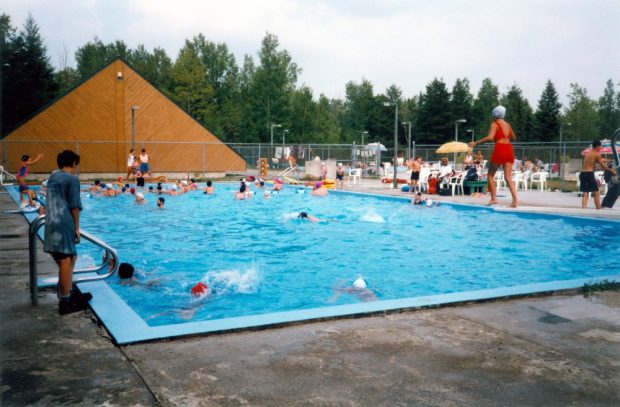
(500, 182)
(523, 180)
(456, 182)
(355, 174)
(517, 178)
(539, 178)
(425, 173)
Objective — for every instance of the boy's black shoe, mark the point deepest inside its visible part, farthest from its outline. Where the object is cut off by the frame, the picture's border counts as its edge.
(81, 296)
(77, 302)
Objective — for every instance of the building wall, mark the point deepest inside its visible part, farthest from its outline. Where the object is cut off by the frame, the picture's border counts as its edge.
(95, 120)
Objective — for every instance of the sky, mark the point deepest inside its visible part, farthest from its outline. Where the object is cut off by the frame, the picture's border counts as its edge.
(402, 42)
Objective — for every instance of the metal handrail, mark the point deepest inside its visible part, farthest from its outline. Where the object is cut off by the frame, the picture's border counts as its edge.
(2, 172)
(613, 148)
(32, 247)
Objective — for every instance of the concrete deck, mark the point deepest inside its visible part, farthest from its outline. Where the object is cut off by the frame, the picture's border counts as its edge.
(554, 351)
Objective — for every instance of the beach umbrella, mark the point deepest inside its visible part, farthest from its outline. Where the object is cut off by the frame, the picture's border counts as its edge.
(604, 150)
(453, 147)
(376, 146)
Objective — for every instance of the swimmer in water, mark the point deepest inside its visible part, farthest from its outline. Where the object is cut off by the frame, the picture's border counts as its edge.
(358, 289)
(209, 190)
(160, 202)
(319, 190)
(304, 215)
(199, 294)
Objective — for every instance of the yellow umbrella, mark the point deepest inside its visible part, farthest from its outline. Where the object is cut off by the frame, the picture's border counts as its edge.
(453, 147)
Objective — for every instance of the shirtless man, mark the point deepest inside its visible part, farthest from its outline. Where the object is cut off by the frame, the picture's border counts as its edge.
(319, 190)
(415, 166)
(586, 177)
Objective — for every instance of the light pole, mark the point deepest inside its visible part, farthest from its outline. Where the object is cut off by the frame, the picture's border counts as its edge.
(283, 133)
(271, 149)
(408, 126)
(364, 132)
(562, 155)
(395, 104)
(472, 133)
(133, 125)
(456, 136)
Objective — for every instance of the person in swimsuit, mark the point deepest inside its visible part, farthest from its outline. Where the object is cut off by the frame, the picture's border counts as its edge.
(340, 176)
(144, 162)
(415, 166)
(588, 184)
(23, 169)
(503, 156)
(130, 160)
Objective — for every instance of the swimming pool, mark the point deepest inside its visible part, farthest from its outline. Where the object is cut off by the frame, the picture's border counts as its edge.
(266, 267)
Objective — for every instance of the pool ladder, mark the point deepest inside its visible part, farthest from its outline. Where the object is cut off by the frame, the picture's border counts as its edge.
(92, 273)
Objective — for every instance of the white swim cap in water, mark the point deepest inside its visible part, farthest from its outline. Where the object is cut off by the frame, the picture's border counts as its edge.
(359, 282)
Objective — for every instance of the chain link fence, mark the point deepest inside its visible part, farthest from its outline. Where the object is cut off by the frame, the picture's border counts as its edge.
(198, 157)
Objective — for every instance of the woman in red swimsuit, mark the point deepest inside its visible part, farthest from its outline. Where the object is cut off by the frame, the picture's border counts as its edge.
(501, 133)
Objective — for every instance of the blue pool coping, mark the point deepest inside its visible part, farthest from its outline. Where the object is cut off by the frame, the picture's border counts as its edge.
(126, 327)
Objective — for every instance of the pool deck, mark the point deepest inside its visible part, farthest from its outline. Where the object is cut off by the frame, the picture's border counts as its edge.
(553, 350)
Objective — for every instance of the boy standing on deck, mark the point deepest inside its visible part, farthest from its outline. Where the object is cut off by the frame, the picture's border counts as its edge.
(62, 229)
(588, 184)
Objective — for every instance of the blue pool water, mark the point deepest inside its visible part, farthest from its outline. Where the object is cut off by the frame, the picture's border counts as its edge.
(260, 259)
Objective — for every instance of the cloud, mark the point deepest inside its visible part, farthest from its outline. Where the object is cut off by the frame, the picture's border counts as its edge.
(391, 41)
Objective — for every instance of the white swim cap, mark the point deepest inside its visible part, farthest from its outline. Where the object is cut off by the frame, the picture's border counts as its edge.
(359, 282)
(139, 195)
(184, 182)
(499, 112)
(429, 202)
(44, 183)
(339, 164)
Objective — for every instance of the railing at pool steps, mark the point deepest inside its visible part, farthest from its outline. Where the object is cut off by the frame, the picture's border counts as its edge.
(89, 274)
(3, 173)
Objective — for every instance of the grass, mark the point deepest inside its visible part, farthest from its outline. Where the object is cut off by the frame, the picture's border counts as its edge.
(604, 285)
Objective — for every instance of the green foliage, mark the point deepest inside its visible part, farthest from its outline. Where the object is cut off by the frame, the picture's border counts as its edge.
(435, 115)
(240, 101)
(604, 285)
(518, 113)
(27, 75)
(94, 55)
(487, 99)
(547, 116)
(582, 114)
(609, 110)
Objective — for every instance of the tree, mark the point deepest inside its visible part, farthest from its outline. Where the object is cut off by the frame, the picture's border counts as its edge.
(582, 115)
(189, 86)
(94, 55)
(518, 113)
(487, 99)
(154, 66)
(608, 111)
(304, 113)
(360, 110)
(28, 77)
(326, 123)
(547, 116)
(462, 101)
(270, 91)
(435, 124)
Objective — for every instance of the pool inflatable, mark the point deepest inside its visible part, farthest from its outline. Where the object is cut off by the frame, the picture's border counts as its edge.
(329, 183)
(30, 208)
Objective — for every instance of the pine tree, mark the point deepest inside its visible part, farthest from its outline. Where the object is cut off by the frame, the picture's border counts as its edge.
(518, 113)
(462, 101)
(487, 99)
(435, 122)
(28, 77)
(547, 117)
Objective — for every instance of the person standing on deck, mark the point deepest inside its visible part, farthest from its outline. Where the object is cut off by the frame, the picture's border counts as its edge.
(503, 156)
(588, 184)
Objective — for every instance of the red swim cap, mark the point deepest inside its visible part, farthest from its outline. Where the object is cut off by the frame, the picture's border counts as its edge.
(200, 289)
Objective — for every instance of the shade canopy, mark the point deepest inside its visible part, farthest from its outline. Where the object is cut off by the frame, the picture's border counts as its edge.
(453, 147)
